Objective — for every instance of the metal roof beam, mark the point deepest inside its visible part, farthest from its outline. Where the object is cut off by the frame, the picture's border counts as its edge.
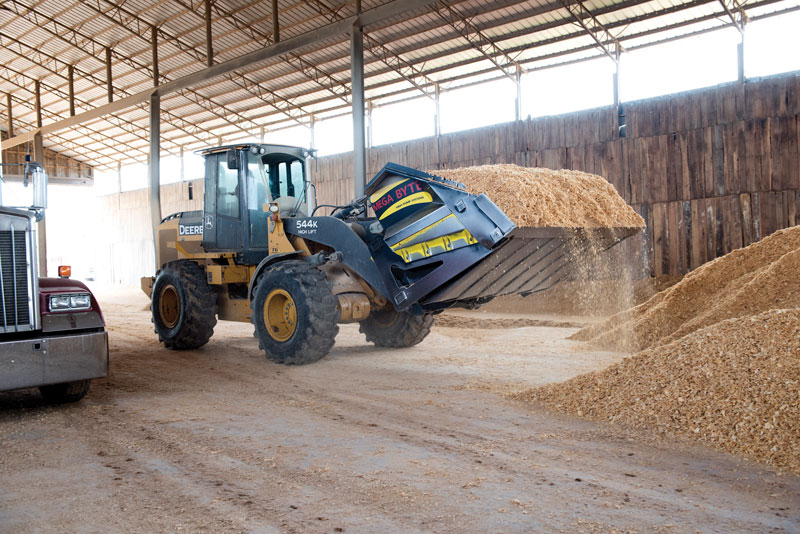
(93, 48)
(95, 136)
(141, 28)
(477, 39)
(123, 124)
(337, 88)
(594, 28)
(380, 51)
(735, 6)
(330, 31)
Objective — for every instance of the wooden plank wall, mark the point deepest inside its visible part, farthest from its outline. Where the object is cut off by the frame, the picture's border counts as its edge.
(56, 165)
(710, 170)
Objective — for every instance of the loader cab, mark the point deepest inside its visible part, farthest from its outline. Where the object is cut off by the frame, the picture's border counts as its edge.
(239, 180)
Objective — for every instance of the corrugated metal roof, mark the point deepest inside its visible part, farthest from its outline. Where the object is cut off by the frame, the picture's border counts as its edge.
(453, 43)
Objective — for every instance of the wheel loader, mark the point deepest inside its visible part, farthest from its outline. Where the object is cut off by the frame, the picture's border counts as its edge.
(261, 251)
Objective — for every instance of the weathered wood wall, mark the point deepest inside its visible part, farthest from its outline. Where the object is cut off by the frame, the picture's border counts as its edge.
(709, 170)
(60, 168)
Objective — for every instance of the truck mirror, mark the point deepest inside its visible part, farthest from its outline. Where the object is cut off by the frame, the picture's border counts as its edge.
(39, 177)
(233, 161)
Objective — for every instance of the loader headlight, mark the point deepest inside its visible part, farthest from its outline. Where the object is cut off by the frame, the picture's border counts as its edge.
(70, 302)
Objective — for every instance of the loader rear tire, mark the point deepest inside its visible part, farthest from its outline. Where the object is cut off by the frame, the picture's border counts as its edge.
(295, 313)
(183, 305)
(389, 328)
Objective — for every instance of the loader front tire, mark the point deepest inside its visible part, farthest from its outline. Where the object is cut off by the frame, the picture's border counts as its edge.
(295, 313)
(183, 305)
(390, 328)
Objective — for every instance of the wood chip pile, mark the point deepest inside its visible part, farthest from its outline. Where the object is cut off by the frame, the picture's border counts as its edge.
(543, 197)
(759, 277)
(733, 385)
(719, 357)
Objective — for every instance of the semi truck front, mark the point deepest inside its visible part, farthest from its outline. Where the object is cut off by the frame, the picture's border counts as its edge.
(52, 331)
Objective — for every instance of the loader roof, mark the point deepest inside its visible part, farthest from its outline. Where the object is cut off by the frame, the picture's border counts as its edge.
(269, 148)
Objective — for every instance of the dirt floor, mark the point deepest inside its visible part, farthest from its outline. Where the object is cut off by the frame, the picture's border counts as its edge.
(367, 440)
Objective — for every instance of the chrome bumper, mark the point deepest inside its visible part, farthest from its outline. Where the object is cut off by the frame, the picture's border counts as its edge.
(52, 360)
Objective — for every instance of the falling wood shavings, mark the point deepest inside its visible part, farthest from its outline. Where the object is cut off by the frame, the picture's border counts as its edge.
(733, 385)
(544, 197)
(759, 277)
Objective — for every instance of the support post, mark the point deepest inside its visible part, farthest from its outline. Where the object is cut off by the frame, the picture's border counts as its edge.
(154, 169)
(37, 90)
(616, 79)
(518, 83)
(357, 85)
(183, 167)
(119, 177)
(10, 116)
(41, 226)
(369, 124)
(71, 84)
(311, 132)
(261, 131)
(109, 85)
(276, 27)
(209, 46)
(740, 58)
(437, 118)
(154, 41)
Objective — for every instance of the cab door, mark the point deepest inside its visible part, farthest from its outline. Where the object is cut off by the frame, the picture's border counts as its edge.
(222, 211)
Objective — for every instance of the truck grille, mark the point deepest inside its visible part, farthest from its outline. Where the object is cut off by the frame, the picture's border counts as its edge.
(14, 312)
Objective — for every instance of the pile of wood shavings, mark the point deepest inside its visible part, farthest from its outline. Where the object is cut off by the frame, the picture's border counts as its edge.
(759, 277)
(733, 385)
(544, 197)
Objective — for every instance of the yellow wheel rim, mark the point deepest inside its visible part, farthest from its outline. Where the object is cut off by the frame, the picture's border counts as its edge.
(169, 307)
(280, 315)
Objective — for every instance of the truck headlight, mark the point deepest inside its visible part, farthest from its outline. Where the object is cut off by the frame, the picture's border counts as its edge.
(73, 302)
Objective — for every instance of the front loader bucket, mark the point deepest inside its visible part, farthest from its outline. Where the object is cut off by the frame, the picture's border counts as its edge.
(528, 260)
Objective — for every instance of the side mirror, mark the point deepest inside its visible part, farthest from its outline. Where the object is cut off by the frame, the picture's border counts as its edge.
(233, 159)
(39, 177)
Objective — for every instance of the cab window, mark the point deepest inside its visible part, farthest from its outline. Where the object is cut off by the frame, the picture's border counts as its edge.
(286, 175)
(227, 190)
(256, 198)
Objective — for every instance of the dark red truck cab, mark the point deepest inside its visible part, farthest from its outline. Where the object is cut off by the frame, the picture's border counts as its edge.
(52, 331)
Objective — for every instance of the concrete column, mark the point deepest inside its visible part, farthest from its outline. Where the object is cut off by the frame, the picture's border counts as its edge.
(357, 85)
(154, 169)
(183, 167)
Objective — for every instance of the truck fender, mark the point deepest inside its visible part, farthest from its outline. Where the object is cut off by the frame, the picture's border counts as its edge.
(267, 262)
